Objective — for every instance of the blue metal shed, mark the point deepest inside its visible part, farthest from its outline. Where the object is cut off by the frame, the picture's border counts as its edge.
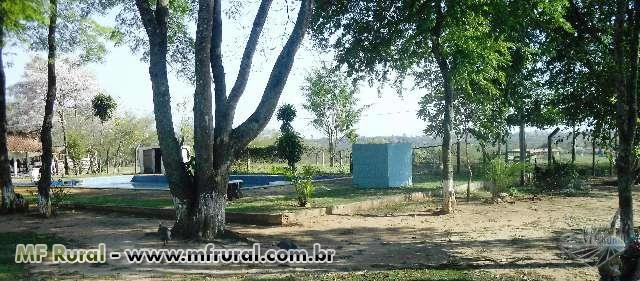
(382, 165)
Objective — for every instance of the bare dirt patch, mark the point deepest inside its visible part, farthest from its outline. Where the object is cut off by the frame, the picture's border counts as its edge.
(520, 237)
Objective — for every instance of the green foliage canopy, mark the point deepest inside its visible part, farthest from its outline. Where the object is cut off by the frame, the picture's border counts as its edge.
(77, 148)
(76, 31)
(15, 15)
(333, 103)
(103, 106)
(129, 31)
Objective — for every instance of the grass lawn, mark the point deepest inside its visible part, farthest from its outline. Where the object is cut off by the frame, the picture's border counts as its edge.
(327, 194)
(9, 270)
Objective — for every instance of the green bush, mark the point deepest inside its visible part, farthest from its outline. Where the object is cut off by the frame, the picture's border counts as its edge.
(302, 181)
(289, 148)
(304, 192)
(59, 196)
(559, 177)
(502, 175)
(77, 149)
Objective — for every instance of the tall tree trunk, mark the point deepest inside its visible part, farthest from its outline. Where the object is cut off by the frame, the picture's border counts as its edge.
(625, 81)
(210, 204)
(106, 159)
(448, 190)
(8, 194)
(458, 157)
(626, 111)
(469, 171)
(332, 149)
(550, 146)
(523, 150)
(593, 156)
(613, 153)
(506, 146)
(44, 191)
(331, 146)
(180, 183)
(116, 164)
(573, 144)
(64, 141)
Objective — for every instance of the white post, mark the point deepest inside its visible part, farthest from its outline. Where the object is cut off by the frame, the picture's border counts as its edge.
(15, 167)
(141, 159)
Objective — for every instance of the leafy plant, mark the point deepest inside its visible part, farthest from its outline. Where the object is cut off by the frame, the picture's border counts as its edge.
(559, 177)
(302, 181)
(59, 195)
(502, 175)
(103, 107)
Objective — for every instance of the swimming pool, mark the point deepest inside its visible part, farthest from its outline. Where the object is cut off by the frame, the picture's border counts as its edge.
(160, 181)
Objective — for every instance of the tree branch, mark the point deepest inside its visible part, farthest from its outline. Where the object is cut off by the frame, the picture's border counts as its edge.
(146, 15)
(162, 15)
(436, 33)
(222, 119)
(251, 127)
(202, 106)
(249, 51)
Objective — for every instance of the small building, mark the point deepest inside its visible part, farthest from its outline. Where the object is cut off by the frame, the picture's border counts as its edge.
(149, 159)
(382, 165)
(24, 152)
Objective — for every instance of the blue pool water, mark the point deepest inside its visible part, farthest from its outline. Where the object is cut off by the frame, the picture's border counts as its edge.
(160, 181)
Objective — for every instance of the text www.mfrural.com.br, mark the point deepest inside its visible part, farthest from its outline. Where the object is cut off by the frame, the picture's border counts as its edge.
(36, 253)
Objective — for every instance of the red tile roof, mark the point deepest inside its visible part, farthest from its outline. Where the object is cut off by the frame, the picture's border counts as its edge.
(23, 143)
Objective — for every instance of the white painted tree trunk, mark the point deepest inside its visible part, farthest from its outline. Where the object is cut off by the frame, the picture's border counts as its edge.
(8, 195)
(210, 215)
(449, 194)
(206, 221)
(44, 205)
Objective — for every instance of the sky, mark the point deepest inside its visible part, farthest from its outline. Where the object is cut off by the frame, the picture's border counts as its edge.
(125, 77)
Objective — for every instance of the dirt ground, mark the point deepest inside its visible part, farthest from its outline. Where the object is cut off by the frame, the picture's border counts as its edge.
(520, 237)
